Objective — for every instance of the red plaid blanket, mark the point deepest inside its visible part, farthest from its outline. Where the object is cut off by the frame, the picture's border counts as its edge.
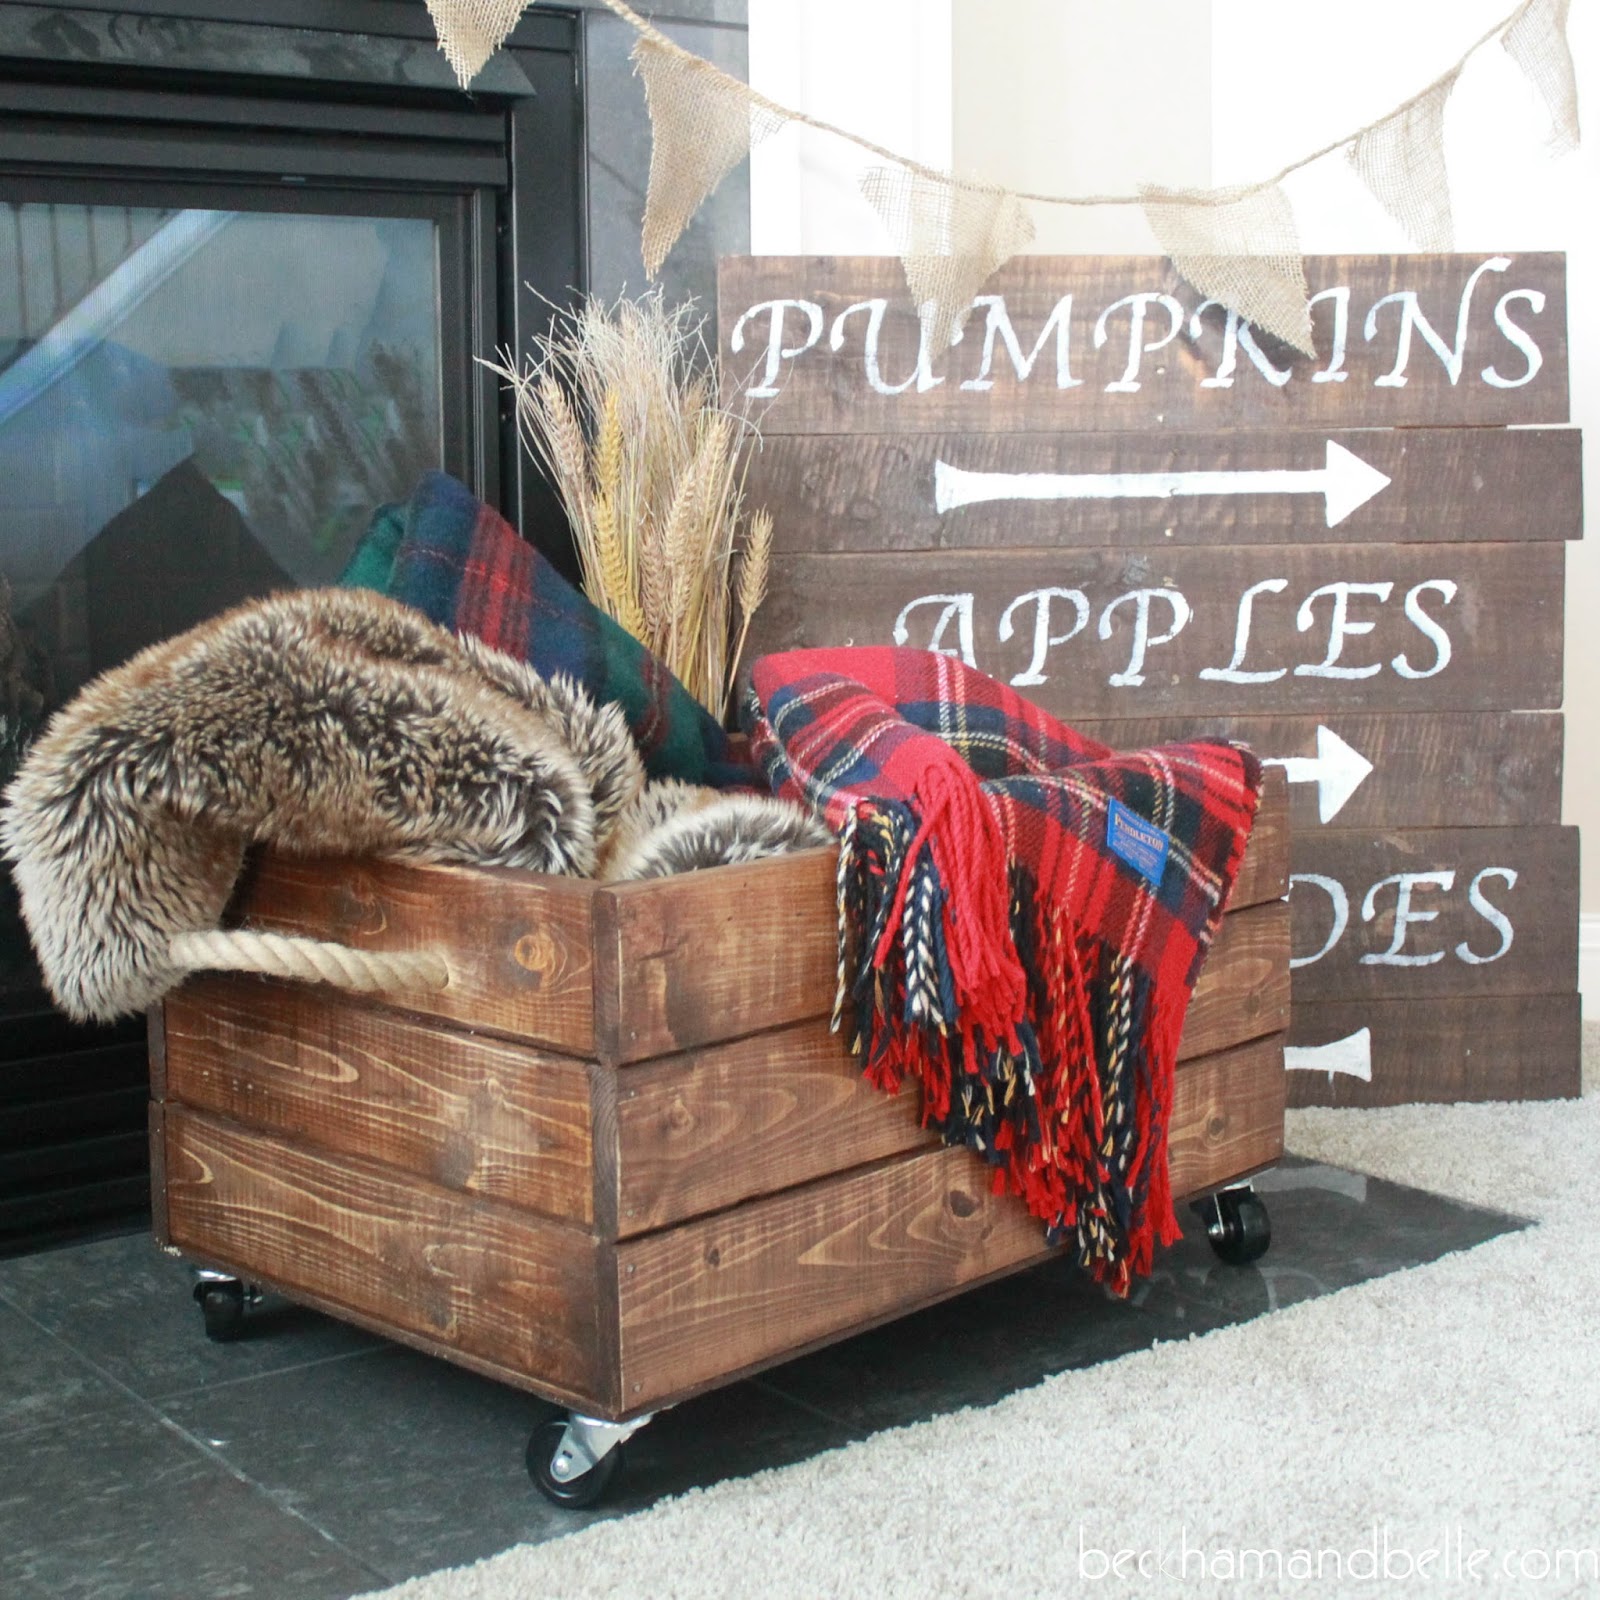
(1023, 915)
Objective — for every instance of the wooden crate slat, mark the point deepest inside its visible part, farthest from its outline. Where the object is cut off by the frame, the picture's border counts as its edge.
(715, 1126)
(1500, 1047)
(909, 492)
(1450, 633)
(1471, 769)
(521, 943)
(467, 1275)
(464, 1112)
(740, 1289)
(712, 955)
(1243, 989)
(1473, 931)
(1149, 370)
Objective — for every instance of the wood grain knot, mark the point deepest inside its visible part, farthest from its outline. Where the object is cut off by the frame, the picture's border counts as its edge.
(537, 953)
(961, 1203)
(713, 1256)
(1216, 1125)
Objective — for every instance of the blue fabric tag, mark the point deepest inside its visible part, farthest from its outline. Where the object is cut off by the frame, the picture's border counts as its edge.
(1140, 843)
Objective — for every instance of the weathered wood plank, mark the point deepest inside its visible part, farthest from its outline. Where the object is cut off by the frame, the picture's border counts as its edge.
(1100, 634)
(739, 1290)
(879, 492)
(159, 1229)
(467, 1274)
(830, 345)
(712, 955)
(1243, 989)
(332, 1074)
(712, 1127)
(1227, 1116)
(1507, 1047)
(1453, 769)
(1434, 912)
(519, 944)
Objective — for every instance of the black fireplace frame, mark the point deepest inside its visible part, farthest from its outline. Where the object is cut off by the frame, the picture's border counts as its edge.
(284, 105)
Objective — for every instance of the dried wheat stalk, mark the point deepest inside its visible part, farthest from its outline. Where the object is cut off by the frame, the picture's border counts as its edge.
(620, 406)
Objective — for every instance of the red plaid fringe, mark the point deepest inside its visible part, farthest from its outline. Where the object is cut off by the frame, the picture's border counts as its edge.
(1023, 914)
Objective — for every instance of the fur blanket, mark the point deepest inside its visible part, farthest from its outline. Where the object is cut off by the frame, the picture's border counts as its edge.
(326, 722)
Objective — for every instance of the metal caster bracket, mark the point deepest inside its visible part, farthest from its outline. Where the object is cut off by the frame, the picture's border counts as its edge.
(587, 1442)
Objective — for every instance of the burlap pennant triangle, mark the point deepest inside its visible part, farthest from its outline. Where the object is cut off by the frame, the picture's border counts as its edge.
(1537, 42)
(470, 31)
(1238, 246)
(702, 125)
(951, 235)
(1401, 160)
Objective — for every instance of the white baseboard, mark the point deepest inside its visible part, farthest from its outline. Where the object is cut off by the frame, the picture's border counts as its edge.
(1589, 962)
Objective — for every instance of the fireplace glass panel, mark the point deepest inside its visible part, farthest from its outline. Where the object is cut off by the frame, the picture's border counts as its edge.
(198, 406)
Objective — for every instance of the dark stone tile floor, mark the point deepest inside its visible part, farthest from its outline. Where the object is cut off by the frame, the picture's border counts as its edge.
(309, 1461)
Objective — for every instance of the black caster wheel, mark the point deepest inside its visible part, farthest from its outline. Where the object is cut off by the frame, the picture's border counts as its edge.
(1237, 1226)
(222, 1306)
(547, 1468)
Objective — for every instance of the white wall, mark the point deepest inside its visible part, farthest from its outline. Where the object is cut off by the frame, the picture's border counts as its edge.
(1079, 94)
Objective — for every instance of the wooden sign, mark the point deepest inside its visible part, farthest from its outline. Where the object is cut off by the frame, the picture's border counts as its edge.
(1110, 633)
(1117, 343)
(876, 492)
(1116, 497)
(1370, 770)
(1448, 911)
(1386, 1052)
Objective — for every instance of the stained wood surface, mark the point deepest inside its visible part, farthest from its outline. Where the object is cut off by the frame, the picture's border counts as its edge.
(1227, 1116)
(740, 1289)
(467, 1274)
(1175, 387)
(880, 492)
(1536, 954)
(1452, 769)
(518, 944)
(712, 1127)
(712, 955)
(317, 1068)
(1505, 598)
(1504, 1047)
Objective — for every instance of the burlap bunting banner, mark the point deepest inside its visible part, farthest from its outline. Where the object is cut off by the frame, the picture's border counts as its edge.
(1401, 161)
(470, 31)
(1537, 42)
(702, 125)
(1238, 246)
(950, 236)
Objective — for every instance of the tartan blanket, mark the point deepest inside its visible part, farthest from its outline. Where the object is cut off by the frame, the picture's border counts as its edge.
(1023, 914)
(461, 563)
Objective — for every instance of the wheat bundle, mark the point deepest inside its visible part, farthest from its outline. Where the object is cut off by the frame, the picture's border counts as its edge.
(620, 405)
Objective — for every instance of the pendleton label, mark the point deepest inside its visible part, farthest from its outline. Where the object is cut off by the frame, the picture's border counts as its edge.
(1141, 844)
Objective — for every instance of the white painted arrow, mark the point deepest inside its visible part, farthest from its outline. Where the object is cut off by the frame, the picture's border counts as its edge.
(1336, 769)
(1346, 482)
(1351, 1055)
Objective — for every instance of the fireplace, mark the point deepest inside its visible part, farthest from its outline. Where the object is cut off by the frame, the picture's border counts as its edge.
(247, 254)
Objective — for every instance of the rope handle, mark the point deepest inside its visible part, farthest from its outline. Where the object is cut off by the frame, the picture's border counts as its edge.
(279, 955)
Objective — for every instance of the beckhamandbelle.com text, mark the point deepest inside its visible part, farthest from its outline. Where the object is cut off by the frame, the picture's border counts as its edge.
(1452, 1555)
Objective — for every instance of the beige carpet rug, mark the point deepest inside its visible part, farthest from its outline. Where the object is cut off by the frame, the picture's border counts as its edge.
(1324, 1449)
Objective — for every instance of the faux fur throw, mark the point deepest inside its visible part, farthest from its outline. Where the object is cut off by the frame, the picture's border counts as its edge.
(461, 563)
(326, 722)
(1023, 915)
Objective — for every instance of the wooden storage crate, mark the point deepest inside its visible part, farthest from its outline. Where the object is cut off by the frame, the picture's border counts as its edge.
(621, 1158)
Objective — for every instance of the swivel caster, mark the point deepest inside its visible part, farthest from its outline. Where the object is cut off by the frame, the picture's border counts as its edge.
(1237, 1225)
(573, 1462)
(222, 1302)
